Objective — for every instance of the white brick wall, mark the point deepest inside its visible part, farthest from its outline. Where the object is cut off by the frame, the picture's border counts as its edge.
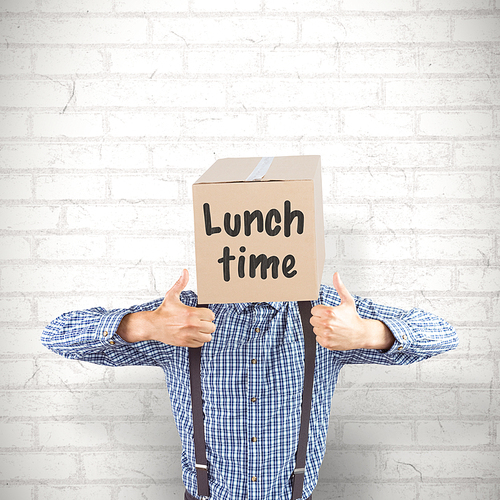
(111, 109)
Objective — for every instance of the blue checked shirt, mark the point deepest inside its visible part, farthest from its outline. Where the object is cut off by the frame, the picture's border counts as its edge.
(252, 375)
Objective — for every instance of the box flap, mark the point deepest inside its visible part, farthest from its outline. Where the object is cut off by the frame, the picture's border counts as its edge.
(281, 168)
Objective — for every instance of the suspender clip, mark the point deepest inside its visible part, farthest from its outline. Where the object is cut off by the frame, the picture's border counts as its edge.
(201, 466)
(300, 470)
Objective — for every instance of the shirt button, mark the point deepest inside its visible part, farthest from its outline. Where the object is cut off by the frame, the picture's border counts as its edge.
(257, 330)
(112, 342)
(254, 478)
(254, 361)
(253, 400)
(404, 337)
(105, 334)
(400, 348)
(254, 440)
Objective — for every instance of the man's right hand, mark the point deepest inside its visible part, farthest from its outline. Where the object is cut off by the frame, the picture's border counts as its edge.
(172, 323)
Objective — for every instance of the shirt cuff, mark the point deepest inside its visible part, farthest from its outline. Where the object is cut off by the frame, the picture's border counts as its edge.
(403, 335)
(106, 329)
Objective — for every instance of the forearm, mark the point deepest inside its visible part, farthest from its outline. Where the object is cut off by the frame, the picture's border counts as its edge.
(378, 335)
(137, 327)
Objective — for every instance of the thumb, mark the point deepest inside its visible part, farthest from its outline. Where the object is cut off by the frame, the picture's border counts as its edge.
(173, 294)
(345, 296)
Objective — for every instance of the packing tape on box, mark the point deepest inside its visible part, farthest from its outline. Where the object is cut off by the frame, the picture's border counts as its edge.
(261, 169)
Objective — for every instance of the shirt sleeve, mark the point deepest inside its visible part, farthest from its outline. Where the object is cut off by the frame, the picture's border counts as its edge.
(418, 334)
(90, 335)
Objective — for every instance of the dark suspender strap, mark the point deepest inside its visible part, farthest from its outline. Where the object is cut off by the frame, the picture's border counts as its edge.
(198, 425)
(310, 357)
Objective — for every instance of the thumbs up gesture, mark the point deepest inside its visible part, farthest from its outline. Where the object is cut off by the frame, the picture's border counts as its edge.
(341, 328)
(172, 322)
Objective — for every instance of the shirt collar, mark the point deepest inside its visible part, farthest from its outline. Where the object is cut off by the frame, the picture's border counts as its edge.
(242, 307)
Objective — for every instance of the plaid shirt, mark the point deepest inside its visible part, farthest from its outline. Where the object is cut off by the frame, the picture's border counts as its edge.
(252, 376)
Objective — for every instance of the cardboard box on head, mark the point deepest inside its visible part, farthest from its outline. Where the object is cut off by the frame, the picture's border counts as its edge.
(259, 233)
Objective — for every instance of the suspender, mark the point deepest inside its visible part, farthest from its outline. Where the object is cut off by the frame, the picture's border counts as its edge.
(198, 426)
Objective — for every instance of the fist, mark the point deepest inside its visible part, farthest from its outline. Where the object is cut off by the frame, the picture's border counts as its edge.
(181, 325)
(339, 328)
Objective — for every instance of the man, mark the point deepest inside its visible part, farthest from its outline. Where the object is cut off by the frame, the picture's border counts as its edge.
(252, 368)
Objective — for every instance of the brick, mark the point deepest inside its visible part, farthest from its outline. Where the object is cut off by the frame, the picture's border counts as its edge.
(378, 247)
(15, 187)
(139, 375)
(74, 187)
(454, 60)
(460, 491)
(14, 247)
(67, 125)
(301, 5)
(259, 93)
(17, 492)
(29, 218)
(162, 433)
(439, 464)
(220, 124)
(478, 340)
(17, 373)
(151, 6)
(477, 247)
(348, 465)
(374, 185)
(49, 308)
(484, 402)
(479, 279)
(144, 187)
(379, 375)
(456, 371)
(368, 29)
(151, 93)
(346, 218)
(17, 341)
(73, 434)
(455, 216)
(148, 249)
(443, 92)
(377, 491)
(18, 6)
(378, 433)
(455, 123)
(452, 185)
(49, 492)
(149, 61)
(15, 61)
(476, 29)
(496, 185)
(16, 435)
(477, 154)
(76, 402)
(64, 247)
(225, 6)
(160, 405)
(122, 465)
(378, 5)
(357, 153)
(453, 433)
(85, 6)
(454, 5)
(69, 30)
(160, 218)
(15, 309)
(496, 309)
(331, 247)
(34, 93)
(139, 124)
(14, 125)
(359, 402)
(302, 124)
(184, 155)
(152, 492)
(456, 309)
(53, 61)
(223, 61)
(224, 30)
(64, 373)
(378, 61)
(378, 123)
(299, 61)
(38, 466)
(68, 278)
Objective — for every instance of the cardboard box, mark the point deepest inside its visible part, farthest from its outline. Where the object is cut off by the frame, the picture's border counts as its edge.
(259, 233)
